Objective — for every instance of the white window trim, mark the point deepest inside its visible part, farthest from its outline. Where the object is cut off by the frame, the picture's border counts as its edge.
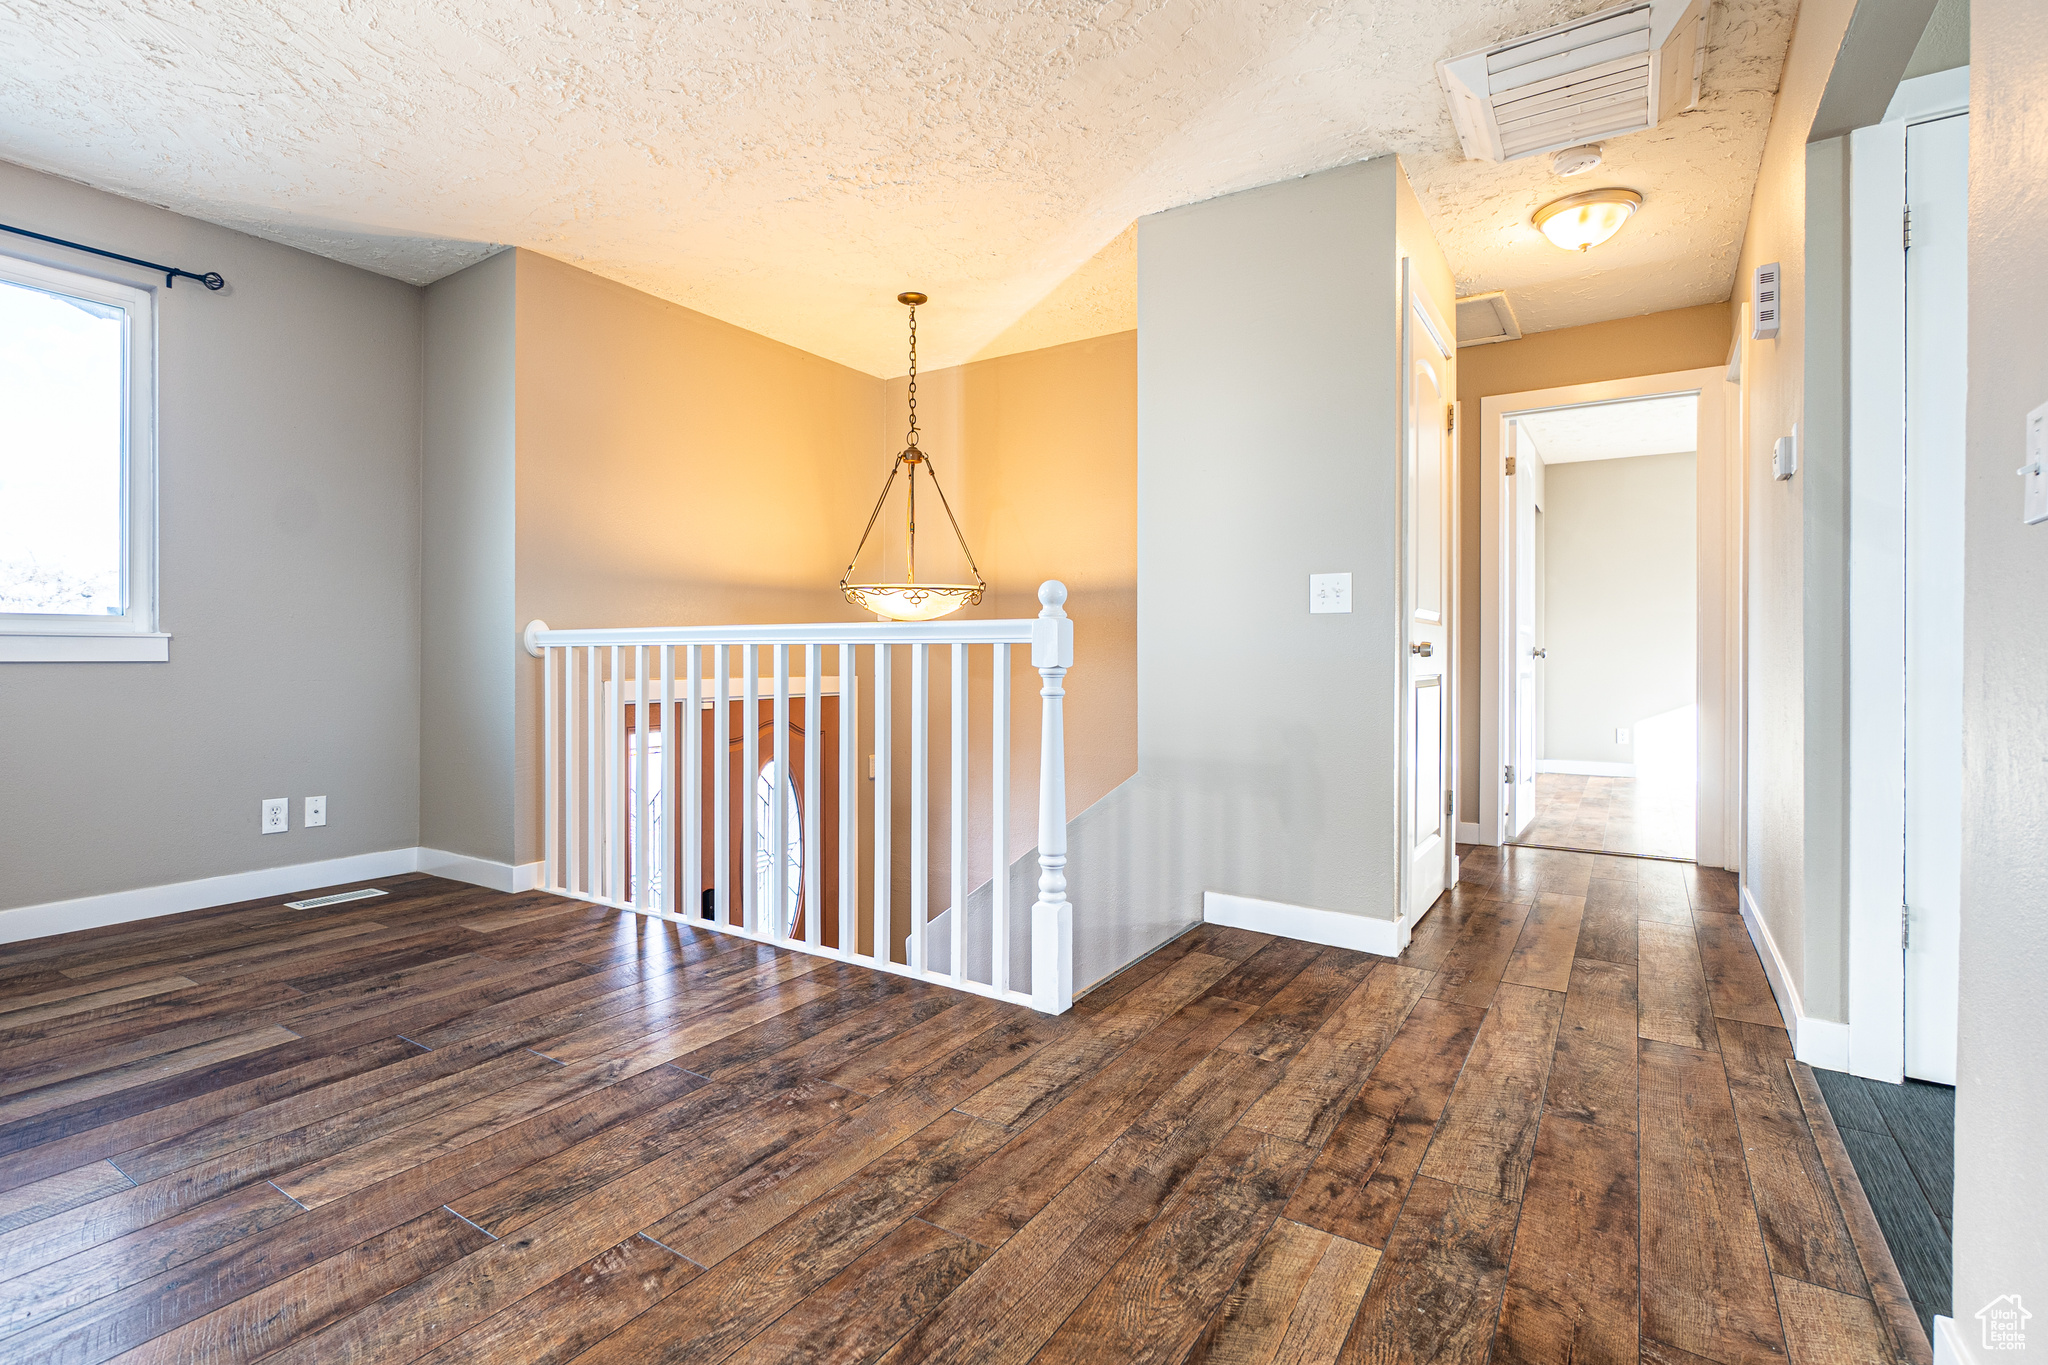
(134, 636)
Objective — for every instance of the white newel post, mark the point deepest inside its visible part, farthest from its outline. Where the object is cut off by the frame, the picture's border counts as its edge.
(1052, 917)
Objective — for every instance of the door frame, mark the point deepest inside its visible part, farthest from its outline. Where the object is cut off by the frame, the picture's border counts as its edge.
(1717, 581)
(1876, 809)
(1416, 303)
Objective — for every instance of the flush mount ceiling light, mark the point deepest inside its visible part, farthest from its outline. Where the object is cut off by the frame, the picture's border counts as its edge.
(1580, 222)
(911, 600)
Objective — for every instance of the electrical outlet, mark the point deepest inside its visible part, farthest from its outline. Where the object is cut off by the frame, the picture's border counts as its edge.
(1621, 734)
(316, 811)
(1329, 592)
(277, 815)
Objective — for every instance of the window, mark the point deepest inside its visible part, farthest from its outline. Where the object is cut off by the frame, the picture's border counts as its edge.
(77, 468)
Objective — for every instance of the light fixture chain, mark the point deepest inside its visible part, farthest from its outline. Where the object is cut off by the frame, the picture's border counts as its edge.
(912, 441)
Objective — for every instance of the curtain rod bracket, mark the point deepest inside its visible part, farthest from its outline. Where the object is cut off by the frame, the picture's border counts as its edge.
(211, 279)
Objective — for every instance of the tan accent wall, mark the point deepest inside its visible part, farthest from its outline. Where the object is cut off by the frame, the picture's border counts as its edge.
(672, 470)
(1656, 343)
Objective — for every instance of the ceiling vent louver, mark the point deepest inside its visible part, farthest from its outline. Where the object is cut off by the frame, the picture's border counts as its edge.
(1618, 71)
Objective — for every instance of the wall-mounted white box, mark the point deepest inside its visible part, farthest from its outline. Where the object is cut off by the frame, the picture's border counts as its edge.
(2035, 470)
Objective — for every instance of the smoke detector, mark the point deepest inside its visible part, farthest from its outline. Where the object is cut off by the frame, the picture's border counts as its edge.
(1618, 71)
(1576, 160)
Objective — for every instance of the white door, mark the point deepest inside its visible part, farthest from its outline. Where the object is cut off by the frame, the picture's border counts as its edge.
(1937, 190)
(1429, 578)
(1523, 715)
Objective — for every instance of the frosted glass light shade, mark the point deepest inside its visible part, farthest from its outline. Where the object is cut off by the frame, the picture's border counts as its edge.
(913, 601)
(1580, 222)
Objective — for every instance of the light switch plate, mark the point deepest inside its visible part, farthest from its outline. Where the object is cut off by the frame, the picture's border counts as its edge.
(2035, 471)
(1329, 592)
(277, 815)
(316, 811)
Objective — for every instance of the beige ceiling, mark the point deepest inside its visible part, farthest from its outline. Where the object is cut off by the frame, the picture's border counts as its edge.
(790, 166)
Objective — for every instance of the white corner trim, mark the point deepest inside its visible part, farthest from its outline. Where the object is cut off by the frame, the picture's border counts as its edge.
(1585, 767)
(507, 877)
(119, 907)
(1950, 1347)
(127, 647)
(1469, 833)
(1331, 928)
(1817, 1042)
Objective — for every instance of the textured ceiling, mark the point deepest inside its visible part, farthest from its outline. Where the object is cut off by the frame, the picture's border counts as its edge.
(790, 166)
(1615, 431)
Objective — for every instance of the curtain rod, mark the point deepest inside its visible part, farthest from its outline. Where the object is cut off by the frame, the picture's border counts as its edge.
(211, 279)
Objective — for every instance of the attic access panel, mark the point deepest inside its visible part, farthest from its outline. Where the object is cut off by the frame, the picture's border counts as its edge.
(1615, 72)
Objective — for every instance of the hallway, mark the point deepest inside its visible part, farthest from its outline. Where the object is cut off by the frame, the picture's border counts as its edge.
(1611, 815)
(450, 1124)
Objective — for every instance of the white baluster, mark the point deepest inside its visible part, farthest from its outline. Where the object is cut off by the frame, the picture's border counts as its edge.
(849, 824)
(1052, 917)
(885, 913)
(593, 784)
(690, 734)
(643, 794)
(779, 923)
(750, 774)
(719, 760)
(917, 948)
(811, 810)
(572, 823)
(663, 853)
(957, 848)
(999, 791)
(550, 786)
(614, 786)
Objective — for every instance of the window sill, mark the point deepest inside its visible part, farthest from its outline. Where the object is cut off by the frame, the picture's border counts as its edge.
(84, 649)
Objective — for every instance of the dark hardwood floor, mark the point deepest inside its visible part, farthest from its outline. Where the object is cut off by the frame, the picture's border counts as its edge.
(450, 1125)
(1901, 1140)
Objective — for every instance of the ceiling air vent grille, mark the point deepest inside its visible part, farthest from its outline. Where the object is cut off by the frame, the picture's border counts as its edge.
(1615, 72)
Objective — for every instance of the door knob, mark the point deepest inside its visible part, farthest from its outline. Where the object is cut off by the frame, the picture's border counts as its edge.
(1539, 653)
(1423, 649)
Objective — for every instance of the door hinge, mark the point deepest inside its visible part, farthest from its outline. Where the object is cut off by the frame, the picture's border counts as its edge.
(1510, 778)
(1511, 466)
(1905, 926)
(1450, 803)
(1450, 417)
(1906, 236)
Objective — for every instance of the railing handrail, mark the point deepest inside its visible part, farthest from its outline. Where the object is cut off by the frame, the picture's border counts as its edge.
(592, 752)
(979, 632)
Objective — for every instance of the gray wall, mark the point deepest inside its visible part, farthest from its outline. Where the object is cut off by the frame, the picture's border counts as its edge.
(2001, 1100)
(1267, 451)
(1620, 602)
(469, 637)
(288, 458)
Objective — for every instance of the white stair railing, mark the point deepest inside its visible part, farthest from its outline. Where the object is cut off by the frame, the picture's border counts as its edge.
(637, 724)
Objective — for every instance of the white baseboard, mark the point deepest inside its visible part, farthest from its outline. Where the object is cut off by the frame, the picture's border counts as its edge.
(1469, 833)
(1950, 1347)
(118, 907)
(1585, 767)
(507, 877)
(1817, 1042)
(146, 902)
(1329, 927)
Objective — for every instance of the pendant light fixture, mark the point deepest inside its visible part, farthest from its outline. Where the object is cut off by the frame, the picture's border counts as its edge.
(911, 600)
